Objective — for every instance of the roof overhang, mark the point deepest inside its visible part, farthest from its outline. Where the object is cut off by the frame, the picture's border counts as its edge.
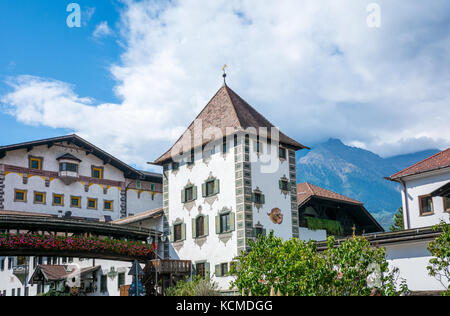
(443, 191)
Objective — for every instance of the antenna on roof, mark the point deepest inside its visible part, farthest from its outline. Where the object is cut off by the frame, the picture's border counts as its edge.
(224, 74)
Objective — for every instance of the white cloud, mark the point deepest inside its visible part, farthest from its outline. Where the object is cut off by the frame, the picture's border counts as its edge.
(314, 68)
(102, 30)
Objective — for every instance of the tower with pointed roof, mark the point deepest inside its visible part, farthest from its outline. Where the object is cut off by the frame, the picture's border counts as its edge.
(230, 177)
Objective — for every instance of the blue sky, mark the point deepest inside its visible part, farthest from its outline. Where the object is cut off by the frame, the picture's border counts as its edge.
(35, 40)
(138, 71)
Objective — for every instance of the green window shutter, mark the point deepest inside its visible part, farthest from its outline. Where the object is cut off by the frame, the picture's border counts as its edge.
(216, 186)
(217, 224)
(263, 199)
(255, 146)
(172, 234)
(206, 225)
(194, 269)
(207, 270)
(194, 228)
(218, 270)
(232, 221)
(183, 196)
(183, 231)
(264, 232)
(204, 189)
(254, 197)
(194, 193)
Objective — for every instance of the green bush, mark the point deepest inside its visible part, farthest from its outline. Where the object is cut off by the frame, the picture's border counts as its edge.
(296, 268)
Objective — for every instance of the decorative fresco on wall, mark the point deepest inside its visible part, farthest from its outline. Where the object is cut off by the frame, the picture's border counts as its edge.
(276, 216)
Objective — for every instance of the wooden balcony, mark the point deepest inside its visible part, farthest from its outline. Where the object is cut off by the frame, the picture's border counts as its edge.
(169, 267)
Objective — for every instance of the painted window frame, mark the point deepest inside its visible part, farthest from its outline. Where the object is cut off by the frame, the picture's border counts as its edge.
(40, 161)
(44, 197)
(24, 192)
(222, 269)
(72, 197)
(420, 198)
(92, 200)
(61, 196)
(101, 171)
(111, 209)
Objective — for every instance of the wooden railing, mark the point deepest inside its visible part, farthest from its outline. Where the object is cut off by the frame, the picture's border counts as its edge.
(169, 266)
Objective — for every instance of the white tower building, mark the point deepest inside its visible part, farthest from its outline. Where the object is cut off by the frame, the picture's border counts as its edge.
(230, 177)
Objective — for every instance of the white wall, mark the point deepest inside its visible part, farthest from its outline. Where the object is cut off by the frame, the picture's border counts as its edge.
(213, 251)
(422, 185)
(412, 260)
(267, 180)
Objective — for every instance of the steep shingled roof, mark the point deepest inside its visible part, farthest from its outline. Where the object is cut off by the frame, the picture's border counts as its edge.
(228, 112)
(306, 190)
(438, 161)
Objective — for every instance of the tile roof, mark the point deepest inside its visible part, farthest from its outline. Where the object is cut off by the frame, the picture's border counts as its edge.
(306, 190)
(139, 217)
(60, 272)
(76, 140)
(228, 112)
(438, 161)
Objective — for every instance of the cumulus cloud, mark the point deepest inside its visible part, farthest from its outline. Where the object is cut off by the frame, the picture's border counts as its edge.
(102, 30)
(314, 68)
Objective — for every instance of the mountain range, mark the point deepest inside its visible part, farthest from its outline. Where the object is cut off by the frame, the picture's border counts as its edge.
(358, 174)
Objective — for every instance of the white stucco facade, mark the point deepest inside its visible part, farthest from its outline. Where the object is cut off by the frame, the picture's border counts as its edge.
(422, 185)
(237, 187)
(412, 260)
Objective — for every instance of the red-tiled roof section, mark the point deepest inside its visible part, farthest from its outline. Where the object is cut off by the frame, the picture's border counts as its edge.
(306, 190)
(438, 161)
(228, 112)
(54, 272)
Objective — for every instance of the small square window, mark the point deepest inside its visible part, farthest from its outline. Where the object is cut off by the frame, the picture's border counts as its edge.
(35, 163)
(257, 198)
(108, 205)
(39, 198)
(175, 166)
(92, 204)
(75, 201)
(20, 196)
(58, 200)
(284, 185)
(97, 173)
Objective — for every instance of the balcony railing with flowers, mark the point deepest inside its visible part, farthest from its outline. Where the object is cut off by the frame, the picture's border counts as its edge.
(76, 245)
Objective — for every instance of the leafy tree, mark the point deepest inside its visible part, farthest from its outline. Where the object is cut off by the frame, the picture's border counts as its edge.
(198, 286)
(297, 268)
(440, 249)
(398, 221)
